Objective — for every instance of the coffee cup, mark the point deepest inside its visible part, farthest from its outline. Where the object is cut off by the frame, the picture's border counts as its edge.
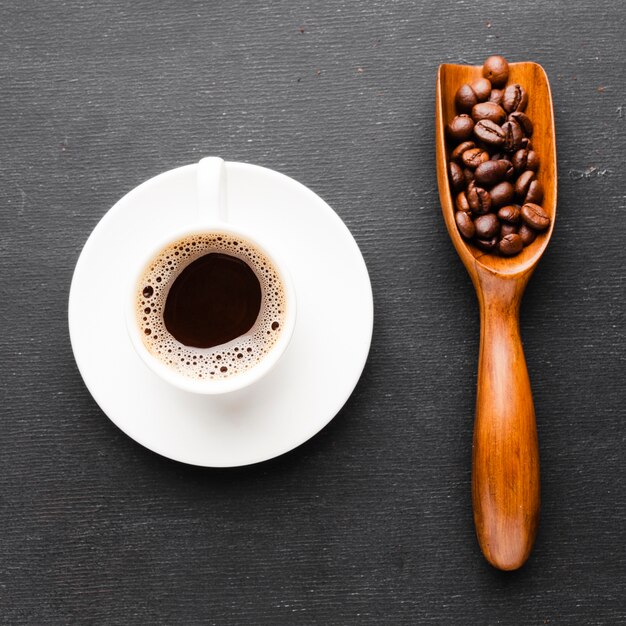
(210, 309)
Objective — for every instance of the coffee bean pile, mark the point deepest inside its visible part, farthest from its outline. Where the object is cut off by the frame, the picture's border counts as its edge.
(493, 167)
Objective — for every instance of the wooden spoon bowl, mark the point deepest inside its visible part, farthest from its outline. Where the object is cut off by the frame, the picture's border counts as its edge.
(505, 460)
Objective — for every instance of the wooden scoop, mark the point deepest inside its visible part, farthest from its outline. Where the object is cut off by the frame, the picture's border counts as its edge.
(505, 461)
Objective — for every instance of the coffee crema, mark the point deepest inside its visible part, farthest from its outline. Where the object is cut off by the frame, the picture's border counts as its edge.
(210, 306)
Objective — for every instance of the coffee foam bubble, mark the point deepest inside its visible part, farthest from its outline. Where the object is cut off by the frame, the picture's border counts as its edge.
(226, 360)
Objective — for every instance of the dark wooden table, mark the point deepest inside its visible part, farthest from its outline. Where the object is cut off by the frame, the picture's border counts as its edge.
(369, 522)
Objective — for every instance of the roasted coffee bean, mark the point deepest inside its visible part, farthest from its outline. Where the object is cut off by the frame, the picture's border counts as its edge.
(525, 159)
(501, 156)
(465, 98)
(515, 98)
(460, 128)
(461, 202)
(456, 176)
(487, 226)
(479, 200)
(510, 172)
(489, 132)
(496, 96)
(460, 149)
(468, 95)
(491, 172)
(524, 121)
(527, 234)
(464, 224)
(486, 244)
(535, 192)
(468, 174)
(474, 157)
(501, 194)
(513, 136)
(535, 216)
(488, 173)
(510, 213)
(507, 229)
(523, 182)
(510, 244)
(532, 160)
(496, 69)
(482, 88)
(488, 111)
(520, 160)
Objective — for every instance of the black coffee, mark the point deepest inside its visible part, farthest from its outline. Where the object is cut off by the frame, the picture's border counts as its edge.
(214, 300)
(210, 305)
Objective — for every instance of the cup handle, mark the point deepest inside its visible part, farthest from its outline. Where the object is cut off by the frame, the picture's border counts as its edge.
(211, 190)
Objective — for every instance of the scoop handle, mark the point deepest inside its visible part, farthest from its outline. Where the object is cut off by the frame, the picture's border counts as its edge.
(505, 463)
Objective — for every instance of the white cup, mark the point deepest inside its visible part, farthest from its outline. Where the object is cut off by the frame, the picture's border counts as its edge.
(212, 216)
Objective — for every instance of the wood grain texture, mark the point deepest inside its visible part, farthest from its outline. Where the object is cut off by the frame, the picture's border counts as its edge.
(371, 521)
(505, 452)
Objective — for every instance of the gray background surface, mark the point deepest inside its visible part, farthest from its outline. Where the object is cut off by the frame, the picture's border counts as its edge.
(369, 522)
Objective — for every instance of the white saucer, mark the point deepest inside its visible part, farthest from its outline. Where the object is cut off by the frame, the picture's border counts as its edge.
(315, 376)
